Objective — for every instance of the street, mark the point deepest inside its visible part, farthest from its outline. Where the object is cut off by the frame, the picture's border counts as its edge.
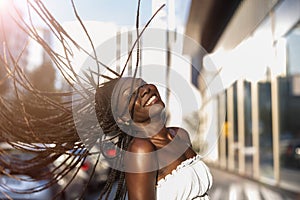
(230, 186)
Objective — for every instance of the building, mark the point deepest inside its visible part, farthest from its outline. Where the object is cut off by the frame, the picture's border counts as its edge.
(13, 42)
(251, 47)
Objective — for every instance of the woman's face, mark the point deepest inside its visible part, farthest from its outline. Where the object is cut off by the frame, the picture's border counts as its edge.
(136, 100)
(145, 103)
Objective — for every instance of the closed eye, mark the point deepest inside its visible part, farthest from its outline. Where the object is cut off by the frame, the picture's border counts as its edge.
(135, 95)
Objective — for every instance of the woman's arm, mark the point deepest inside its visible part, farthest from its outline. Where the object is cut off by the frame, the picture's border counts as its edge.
(141, 170)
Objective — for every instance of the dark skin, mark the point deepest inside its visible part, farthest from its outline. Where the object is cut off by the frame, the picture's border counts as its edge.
(141, 185)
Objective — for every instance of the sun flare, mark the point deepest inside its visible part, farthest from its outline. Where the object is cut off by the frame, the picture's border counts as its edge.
(2, 3)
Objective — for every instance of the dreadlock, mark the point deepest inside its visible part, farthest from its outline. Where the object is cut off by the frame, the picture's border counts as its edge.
(108, 124)
(46, 115)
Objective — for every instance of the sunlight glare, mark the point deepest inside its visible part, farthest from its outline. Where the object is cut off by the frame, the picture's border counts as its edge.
(3, 3)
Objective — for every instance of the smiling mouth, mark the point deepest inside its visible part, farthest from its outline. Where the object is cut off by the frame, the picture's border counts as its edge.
(152, 100)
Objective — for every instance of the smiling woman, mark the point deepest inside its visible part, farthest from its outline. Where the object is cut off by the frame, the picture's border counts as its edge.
(130, 131)
(155, 161)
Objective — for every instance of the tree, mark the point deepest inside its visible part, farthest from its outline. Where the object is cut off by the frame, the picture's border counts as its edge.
(43, 77)
(43, 80)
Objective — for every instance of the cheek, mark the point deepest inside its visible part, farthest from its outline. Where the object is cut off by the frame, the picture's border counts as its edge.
(131, 109)
(140, 114)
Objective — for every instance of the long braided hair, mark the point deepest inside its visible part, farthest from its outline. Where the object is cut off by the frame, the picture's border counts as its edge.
(108, 124)
(110, 128)
(23, 129)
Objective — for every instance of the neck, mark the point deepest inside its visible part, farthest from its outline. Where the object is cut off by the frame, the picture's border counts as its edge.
(151, 130)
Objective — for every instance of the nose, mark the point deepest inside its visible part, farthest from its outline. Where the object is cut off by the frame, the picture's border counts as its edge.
(144, 89)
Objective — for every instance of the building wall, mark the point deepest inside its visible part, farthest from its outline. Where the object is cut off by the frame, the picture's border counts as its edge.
(256, 57)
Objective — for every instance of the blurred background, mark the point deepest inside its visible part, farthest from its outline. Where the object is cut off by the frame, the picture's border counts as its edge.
(241, 59)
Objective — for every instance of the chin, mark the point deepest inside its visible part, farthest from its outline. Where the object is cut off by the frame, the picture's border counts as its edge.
(157, 111)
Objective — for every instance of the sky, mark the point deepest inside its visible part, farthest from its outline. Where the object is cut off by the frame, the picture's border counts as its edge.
(120, 12)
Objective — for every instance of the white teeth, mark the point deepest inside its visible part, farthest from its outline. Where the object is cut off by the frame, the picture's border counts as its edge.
(150, 100)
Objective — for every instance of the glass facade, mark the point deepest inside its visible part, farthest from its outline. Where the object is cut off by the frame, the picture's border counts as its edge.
(289, 111)
(248, 129)
(265, 130)
(261, 135)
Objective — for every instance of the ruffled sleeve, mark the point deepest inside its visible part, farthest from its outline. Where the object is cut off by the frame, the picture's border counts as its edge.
(190, 180)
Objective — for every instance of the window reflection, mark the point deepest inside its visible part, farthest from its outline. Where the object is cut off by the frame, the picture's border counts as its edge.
(265, 130)
(235, 128)
(248, 129)
(289, 111)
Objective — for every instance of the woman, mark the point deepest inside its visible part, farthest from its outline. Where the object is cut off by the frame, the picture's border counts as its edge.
(155, 161)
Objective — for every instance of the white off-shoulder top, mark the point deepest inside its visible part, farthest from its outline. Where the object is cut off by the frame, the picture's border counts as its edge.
(190, 180)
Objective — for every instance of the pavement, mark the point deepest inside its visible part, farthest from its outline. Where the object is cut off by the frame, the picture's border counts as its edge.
(230, 186)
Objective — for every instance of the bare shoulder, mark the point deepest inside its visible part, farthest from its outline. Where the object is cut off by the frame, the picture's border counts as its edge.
(182, 133)
(141, 145)
(139, 157)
